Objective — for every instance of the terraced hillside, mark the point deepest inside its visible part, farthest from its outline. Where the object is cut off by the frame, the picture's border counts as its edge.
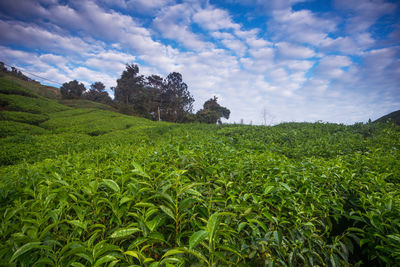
(90, 187)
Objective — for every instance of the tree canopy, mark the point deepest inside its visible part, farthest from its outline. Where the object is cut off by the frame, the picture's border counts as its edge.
(72, 90)
(176, 100)
(97, 93)
(212, 112)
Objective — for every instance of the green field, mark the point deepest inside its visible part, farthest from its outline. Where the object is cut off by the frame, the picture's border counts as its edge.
(81, 185)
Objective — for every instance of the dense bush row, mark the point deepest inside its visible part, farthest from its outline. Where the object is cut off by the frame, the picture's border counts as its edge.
(145, 193)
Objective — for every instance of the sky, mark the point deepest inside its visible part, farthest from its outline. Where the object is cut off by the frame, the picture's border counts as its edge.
(268, 61)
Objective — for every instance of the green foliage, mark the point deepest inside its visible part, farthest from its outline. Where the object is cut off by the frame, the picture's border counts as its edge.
(176, 100)
(82, 103)
(24, 117)
(29, 104)
(131, 94)
(99, 188)
(72, 90)
(393, 117)
(153, 97)
(9, 82)
(9, 128)
(89, 120)
(10, 87)
(212, 112)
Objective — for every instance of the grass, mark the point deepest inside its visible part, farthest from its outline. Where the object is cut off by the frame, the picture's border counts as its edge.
(97, 188)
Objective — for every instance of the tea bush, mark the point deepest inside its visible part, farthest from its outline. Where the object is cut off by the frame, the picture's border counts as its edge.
(91, 187)
(23, 117)
(29, 104)
(156, 194)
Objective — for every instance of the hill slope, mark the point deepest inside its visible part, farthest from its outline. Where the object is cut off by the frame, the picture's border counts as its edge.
(394, 117)
(88, 186)
(35, 127)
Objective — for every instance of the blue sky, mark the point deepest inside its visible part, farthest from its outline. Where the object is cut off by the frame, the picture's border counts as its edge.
(290, 60)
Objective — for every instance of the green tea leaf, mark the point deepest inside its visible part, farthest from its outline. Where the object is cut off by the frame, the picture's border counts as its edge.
(112, 185)
(196, 238)
(394, 237)
(168, 211)
(155, 222)
(25, 248)
(124, 232)
(133, 254)
(78, 223)
(104, 259)
(278, 237)
(268, 189)
(212, 225)
(286, 186)
(241, 226)
(173, 252)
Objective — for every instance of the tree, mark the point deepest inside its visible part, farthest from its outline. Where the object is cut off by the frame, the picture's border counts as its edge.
(154, 87)
(176, 100)
(72, 90)
(97, 93)
(212, 112)
(98, 87)
(129, 82)
(130, 92)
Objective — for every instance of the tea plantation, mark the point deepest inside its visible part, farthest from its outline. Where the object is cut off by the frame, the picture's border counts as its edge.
(81, 185)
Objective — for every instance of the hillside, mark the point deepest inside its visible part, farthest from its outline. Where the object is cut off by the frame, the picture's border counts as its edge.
(394, 117)
(11, 82)
(85, 186)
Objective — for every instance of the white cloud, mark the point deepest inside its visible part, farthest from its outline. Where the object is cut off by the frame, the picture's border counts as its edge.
(331, 67)
(214, 19)
(147, 6)
(254, 42)
(288, 50)
(270, 5)
(222, 35)
(236, 46)
(301, 26)
(35, 37)
(173, 22)
(52, 59)
(364, 13)
(298, 65)
(350, 45)
(109, 60)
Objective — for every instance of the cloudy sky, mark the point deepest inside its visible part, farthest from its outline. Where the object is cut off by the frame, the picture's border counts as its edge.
(297, 60)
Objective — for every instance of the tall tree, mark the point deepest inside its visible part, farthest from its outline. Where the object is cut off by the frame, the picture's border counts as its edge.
(154, 86)
(212, 112)
(176, 100)
(130, 93)
(72, 90)
(97, 93)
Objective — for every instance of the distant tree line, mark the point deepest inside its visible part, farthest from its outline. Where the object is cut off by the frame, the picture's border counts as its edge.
(152, 97)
